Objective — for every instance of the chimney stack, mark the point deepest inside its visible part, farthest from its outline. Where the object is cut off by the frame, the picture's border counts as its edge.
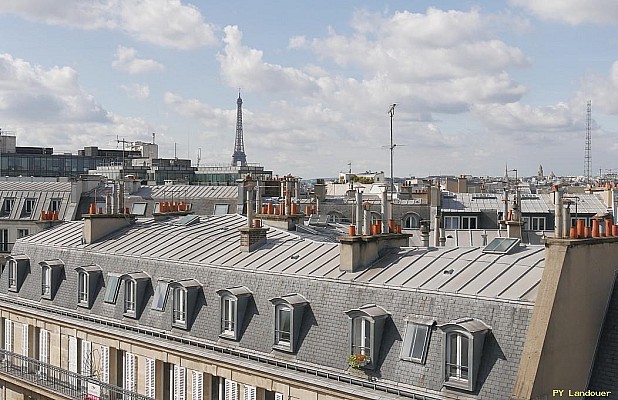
(359, 212)
(558, 219)
(253, 235)
(384, 206)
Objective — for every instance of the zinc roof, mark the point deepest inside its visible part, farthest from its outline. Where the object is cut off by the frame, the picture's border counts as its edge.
(189, 192)
(214, 242)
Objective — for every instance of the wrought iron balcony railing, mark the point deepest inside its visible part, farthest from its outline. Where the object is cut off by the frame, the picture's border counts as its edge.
(58, 380)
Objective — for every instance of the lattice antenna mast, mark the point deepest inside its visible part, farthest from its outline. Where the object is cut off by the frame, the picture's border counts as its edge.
(587, 156)
(239, 155)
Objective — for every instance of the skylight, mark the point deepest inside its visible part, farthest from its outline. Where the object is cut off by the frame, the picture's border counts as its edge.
(501, 245)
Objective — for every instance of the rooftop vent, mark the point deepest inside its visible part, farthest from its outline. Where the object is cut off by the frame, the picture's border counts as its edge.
(501, 245)
(188, 220)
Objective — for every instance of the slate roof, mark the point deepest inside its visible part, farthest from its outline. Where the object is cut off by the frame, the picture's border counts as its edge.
(214, 242)
(530, 203)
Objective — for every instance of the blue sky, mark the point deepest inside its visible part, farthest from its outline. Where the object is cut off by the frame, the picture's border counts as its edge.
(478, 84)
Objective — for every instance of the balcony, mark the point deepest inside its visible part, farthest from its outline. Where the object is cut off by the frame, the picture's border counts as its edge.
(62, 383)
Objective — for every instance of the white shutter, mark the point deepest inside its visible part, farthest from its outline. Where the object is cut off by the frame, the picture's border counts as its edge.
(278, 396)
(179, 382)
(129, 371)
(104, 364)
(249, 392)
(150, 378)
(231, 390)
(8, 335)
(73, 359)
(43, 351)
(197, 385)
(24, 339)
(86, 358)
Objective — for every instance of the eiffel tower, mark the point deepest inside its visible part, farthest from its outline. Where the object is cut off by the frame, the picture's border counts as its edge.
(239, 156)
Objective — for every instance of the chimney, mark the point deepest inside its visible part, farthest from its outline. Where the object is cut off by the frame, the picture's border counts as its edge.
(320, 190)
(514, 227)
(384, 209)
(558, 206)
(425, 233)
(462, 184)
(288, 215)
(97, 226)
(566, 218)
(356, 252)
(253, 235)
(359, 212)
(436, 231)
(367, 218)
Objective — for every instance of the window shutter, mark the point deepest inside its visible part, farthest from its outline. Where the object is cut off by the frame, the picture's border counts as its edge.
(231, 390)
(250, 393)
(73, 359)
(43, 351)
(179, 382)
(24, 340)
(150, 378)
(278, 396)
(86, 357)
(8, 335)
(104, 365)
(129, 371)
(197, 379)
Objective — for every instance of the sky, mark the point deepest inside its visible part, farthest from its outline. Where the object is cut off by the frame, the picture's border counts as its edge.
(479, 85)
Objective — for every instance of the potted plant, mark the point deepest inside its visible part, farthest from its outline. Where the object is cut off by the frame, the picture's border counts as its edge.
(357, 361)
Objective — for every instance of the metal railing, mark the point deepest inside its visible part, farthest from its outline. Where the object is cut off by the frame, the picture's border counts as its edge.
(61, 381)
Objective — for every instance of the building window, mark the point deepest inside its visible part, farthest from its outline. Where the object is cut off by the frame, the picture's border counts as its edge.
(468, 222)
(130, 295)
(457, 349)
(283, 318)
(111, 289)
(451, 222)
(416, 341)
(180, 306)
(411, 221)
(87, 280)
(160, 295)
(288, 311)
(221, 209)
(462, 351)
(28, 207)
(46, 280)
(7, 206)
(538, 223)
(233, 306)
(82, 288)
(5, 246)
(12, 265)
(21, 233)
(361, 336)
(184, 297)
(367, 326)
(139, 209)
(54, 205)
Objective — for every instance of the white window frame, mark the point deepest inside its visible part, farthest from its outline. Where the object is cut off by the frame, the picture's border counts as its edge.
(451, 222)
(46, 281)
(22, 233)
(461, 367)
(111, 290)
(229, 306)
(538, 223)
(160, 295)
(43, 352)
(466, 222)
(280, 333)
(365, 335)
(83, 280)
(179, 308)
(13, 274)
(130, 296)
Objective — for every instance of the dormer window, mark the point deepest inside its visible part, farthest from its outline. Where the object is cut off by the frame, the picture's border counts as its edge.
(233, 306)
(416, 340)
(288, 319)
(7, 206)
(28, 207)
(54, 205)
(184, 298)
(367, 326)
(462, 350)
(87, 280)
(51, 271)
(135, 285)
(18, 266)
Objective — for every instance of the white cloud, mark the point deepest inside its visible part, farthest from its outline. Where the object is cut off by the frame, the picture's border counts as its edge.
(167, 23)
(601, 90)
(573, 12)
(136, 91)
(127, 60)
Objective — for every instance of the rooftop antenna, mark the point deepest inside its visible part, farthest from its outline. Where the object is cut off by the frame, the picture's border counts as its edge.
(199, 155)
(153, 138)
(391, 113)
(587, 156)
(123, 142)
(349, 166)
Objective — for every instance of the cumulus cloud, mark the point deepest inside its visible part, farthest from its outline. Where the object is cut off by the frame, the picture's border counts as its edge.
(167, 23)
(136, 91)
(601, 90)
(127, 60)
(573, 12)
